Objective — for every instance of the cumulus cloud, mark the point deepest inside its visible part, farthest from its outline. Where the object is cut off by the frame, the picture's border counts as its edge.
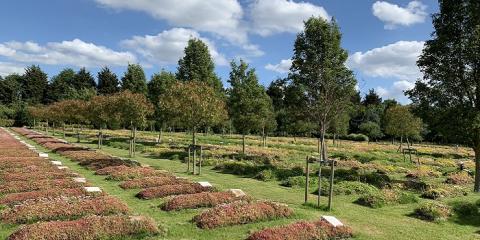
(282, 67)
(75, 53)
(396, 91)
(276, 16)
(393, 15)
(168, 46)
(397, 60)
(222, 17)
(7, 68)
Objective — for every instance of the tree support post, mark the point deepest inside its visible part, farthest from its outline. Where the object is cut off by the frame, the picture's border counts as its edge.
(307, 178)
(332, 173)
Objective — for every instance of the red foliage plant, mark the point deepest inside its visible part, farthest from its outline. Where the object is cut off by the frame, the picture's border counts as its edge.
(63, 209)
(134, 173)
(241, 212)
(319, 230)
(36, 185)
(198, 200)
(170, 190)
(93, 227)
(18, 198)
(36, 175)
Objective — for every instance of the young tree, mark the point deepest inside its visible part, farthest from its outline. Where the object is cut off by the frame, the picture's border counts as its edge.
(133, 109)
(400, 122)
(371, 129)
(134, 79)
(83, 80)
(107, 82)
(319, 69)
(193, 105)
(157, 87)
(100, 110)
(34, 85)
(448, 96)
(250, 107)
(197, 65)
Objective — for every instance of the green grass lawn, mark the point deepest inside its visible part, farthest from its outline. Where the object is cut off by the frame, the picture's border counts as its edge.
(391, 222)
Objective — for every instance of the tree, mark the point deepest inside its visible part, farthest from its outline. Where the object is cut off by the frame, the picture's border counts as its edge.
(400, 122)
(34, 85)
(107, 82)
(83, 79)
(100, 111)
(318, 67)
(11, 89)
(250, 108)
(372, 98)
(133, 109)
(197, 65)
(134, 79)
(157, 87)
(371, 129)
(61, 86)
(193, 105)
(448, 96)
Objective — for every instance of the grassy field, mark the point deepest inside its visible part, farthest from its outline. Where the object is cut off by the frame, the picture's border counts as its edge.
(389, 222)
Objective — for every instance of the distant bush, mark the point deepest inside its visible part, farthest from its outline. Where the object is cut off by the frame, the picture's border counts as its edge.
(433, 211)
(444, 190)
(6, 122)
(385, 197)
(351, 187)
(240, 168)
(351, 137)
(465, 209)
(460, 178)
(266, 175)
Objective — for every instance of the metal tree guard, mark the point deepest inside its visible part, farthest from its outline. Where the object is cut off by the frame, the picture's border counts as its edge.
(192, 155)
(311, 159)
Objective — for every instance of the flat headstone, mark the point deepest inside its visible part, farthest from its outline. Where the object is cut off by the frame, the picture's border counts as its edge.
(80, 180)
(93, 189)
(332, 221)
(205, 184)
(43, 155)
(237, 192)
(56, 163)
(62, 167)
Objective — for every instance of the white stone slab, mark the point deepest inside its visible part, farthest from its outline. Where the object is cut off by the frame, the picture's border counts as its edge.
(238, 192)
(56, 163)
(205, 184)
(80, 180)
(93, 189)
(332, 221)
(43, 155)
(62, 167)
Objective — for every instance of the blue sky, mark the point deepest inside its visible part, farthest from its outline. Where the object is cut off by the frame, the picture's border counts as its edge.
(383, 38)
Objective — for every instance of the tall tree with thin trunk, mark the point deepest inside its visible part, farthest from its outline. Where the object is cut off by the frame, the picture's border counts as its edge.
(448, 96)
(318, 67)
(250, 107)
(134, 79)
(34, 85)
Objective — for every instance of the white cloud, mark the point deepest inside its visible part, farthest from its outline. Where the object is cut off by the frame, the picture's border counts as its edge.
(75, 53)
(222, 17)
(393, 15)
(282, 67)
(396, 91)
(7, 68)
(167, 47)
(275, 16)
(397, 60)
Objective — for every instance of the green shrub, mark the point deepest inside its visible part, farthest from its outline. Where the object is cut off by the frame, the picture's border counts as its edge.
(299, 181)
(284, 173)
(465, 209)
(365, 158)
(241, 168)
(377, 179)
(444, 190)
(477, 203)
(339, 155)
(406, 198)
(266, 175)
(433, 211)
(348, 188)
(373, 200)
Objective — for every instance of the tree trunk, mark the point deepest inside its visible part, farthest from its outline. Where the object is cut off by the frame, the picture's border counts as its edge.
(160, 135)
(46, 128)
(334, 139)
(322, 157)
(99, 142)
(53, 128)
(243, 144)
(476, 149)
(134, 140)
(63, 130)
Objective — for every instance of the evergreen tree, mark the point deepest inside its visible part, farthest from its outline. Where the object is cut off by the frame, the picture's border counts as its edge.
(448, 96)
(10, 89)
(134, 79)
(197, 65)
(250, 107)
(83, 79)
(34, 85)
(60, 86)
(107, 82)
(372, 98)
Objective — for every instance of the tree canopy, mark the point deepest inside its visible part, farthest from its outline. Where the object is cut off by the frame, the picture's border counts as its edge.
(107, 82)
(134, 79)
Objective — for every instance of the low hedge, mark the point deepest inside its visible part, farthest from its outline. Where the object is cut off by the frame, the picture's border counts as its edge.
(433, 211)
(198, 200)
(171, 190)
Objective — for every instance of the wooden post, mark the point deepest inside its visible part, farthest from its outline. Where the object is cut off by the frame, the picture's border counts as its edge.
(332, 173)
(200, 161)
(188, 160)
(307, 179)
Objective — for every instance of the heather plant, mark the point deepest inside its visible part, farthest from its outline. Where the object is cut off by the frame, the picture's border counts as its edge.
(198, 200)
